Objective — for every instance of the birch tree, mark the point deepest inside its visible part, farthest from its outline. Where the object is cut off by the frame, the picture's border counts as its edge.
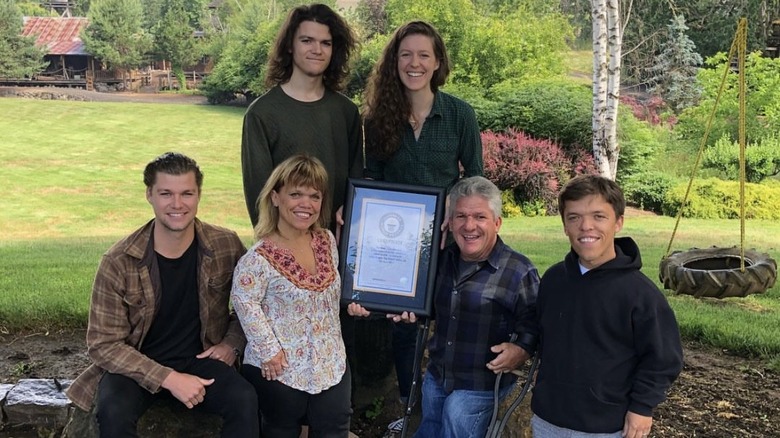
(607, 42)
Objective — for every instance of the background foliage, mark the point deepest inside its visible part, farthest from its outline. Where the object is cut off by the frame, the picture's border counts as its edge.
(18, 55)
(115, 33)
(516, 63)
(76, 192)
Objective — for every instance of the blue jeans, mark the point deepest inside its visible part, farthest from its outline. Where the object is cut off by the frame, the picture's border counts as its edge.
(543, 429)
(459, 414)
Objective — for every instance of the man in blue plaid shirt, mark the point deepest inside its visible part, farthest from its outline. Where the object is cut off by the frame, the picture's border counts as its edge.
(485, 311)
(485, 293)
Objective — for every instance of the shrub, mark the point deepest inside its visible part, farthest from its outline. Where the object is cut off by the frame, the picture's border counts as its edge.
(641, 144)
(647, 190)
(762, 159)
(717, 199)
(552, 109)
(647, 110)
(762, 105)
(509, 207)
(533, 169)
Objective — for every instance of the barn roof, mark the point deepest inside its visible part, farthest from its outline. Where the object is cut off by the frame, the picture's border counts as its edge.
(58, 35)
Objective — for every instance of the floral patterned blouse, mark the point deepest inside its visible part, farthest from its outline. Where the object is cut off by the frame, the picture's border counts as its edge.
(282, 306)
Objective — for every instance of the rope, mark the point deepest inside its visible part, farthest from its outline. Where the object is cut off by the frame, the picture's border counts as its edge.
(739, 46)
(741, 54)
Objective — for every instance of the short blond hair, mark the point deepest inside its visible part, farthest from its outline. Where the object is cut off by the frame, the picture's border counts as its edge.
(297, 171)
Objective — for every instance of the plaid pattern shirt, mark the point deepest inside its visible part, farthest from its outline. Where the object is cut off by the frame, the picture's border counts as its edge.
(124, 302)
(478, 309)
(449, 138)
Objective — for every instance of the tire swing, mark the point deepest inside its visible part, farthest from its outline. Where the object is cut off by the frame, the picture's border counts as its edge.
(716, 272)
(721, 272)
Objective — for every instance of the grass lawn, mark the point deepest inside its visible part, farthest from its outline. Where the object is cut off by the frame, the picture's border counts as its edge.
(71, 173)
(580, 66)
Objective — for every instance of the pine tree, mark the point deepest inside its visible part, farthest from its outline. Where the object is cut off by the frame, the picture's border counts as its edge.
(19, 58)
(174, 38)
(115, 34)
(676, 67)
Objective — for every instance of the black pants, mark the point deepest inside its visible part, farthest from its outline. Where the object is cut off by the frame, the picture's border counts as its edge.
(285, 409)
(404, 347)
(121, 401)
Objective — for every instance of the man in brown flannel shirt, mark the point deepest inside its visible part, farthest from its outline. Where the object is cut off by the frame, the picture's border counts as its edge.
(159, 322)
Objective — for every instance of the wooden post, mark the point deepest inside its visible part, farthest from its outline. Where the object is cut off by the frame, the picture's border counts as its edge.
(64, 69)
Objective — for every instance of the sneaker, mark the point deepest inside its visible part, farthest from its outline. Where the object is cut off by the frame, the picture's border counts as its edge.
(397, 425)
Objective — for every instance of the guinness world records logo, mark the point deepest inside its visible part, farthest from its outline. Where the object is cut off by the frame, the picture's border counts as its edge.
(391, 225)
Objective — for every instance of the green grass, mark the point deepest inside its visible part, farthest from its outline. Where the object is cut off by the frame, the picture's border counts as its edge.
(747, 326)
(580, 66)
(71, 173)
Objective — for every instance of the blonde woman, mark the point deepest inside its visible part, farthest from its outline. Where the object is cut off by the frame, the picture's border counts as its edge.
(286, 292)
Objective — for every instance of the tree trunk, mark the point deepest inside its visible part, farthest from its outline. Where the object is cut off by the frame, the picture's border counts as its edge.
(599, 19)
(607, 41)
(614, 46)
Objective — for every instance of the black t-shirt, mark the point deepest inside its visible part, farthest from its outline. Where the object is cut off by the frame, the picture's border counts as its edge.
(175, 331)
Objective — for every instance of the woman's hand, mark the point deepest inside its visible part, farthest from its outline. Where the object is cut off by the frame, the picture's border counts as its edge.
(355, 309)
(275, 367)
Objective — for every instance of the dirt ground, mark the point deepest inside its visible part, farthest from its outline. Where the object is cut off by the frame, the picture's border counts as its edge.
(717, 396)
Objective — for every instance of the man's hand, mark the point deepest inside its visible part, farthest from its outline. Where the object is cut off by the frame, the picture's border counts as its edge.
(339, 222)
(510, 357)
(408, 317)
(445, 225)
(637, 426)
(187, 388)
(222, 352)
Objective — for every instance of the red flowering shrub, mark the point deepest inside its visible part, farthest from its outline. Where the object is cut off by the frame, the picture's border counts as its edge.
(533, 169)
(648, 110)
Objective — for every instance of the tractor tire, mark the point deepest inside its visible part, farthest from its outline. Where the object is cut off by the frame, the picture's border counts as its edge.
(715, 272)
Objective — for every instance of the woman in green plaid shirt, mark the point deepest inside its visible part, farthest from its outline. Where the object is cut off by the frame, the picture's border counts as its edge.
(416, 134)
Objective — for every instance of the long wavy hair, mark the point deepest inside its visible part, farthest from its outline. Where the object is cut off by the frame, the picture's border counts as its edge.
(387, 108)
(280, 62)
(296, 171)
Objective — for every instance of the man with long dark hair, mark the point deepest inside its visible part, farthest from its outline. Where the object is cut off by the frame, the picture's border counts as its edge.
(303, 111)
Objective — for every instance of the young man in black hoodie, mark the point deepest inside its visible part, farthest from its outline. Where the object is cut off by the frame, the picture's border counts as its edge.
(610, 347)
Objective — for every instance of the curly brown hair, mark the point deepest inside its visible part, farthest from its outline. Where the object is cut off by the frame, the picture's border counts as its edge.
(280, 62)
(387, 107)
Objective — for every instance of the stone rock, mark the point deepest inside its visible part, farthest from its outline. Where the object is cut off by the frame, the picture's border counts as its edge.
(4, 389)
(165, 418)
(40, 402)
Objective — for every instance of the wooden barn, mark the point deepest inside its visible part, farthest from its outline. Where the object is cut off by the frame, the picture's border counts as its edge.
(69, 64)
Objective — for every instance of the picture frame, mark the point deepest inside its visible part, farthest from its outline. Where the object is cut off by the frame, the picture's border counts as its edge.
(389, 246)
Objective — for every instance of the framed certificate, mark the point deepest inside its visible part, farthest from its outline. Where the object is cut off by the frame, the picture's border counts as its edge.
(389, 245)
